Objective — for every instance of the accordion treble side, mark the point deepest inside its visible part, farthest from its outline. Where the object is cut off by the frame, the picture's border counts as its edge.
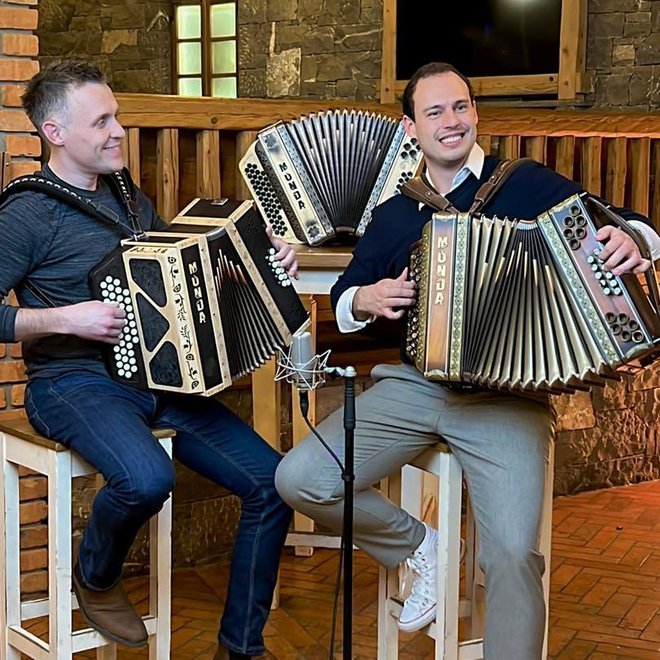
(525, 305)
(320, 176)
(205, 302)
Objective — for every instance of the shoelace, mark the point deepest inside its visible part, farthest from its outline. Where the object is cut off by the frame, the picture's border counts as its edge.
(421, 587)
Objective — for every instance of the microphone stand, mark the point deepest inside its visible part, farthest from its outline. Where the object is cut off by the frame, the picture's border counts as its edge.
(349, 482)
(348, 477)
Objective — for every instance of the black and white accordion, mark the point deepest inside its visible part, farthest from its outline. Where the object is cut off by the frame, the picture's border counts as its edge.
(319, 177)
(206, 301)
(526, 305)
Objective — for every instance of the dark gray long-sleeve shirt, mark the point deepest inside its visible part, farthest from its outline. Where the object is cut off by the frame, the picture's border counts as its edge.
(56, 245)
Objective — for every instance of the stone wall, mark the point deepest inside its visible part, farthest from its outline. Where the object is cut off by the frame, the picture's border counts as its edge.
(129, 40)
(623, 52)
(310, 48)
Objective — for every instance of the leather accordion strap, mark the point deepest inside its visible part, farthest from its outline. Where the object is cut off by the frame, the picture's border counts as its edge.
(422, 191)
(496, 180)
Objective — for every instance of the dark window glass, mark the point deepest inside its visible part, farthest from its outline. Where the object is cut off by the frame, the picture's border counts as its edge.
(479, 37)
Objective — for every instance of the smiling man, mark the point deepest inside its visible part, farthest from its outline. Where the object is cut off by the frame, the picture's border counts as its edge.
(501, 439)
(48, 249)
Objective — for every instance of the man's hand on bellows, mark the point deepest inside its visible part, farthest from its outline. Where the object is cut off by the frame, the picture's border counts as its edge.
(285, 254)
(95, 320)
(620, 254)
(385, 298)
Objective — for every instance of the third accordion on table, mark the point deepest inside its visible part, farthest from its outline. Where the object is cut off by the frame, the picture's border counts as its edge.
(206, 302)
(526, 305)
(321, 175)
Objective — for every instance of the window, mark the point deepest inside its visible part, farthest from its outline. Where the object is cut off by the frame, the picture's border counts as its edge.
(205, 49)
(506, 47)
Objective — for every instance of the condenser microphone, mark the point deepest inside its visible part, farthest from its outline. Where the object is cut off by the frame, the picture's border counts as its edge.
(302, 361)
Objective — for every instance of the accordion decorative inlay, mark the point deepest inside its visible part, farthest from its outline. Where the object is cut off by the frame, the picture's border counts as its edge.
(525, 305)
(205, 300)
(319, 176)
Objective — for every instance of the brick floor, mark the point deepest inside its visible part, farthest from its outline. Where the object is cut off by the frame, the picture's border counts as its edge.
(605, 602)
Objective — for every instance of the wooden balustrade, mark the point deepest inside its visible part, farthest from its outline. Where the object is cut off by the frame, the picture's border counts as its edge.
(179, 148)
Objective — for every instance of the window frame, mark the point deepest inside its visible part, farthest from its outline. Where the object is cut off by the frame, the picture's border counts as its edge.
(564, 84)
(206, 42)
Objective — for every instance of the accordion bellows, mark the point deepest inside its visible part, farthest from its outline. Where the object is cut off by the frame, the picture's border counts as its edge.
(206, 302)
(321, 175)
(524, 305)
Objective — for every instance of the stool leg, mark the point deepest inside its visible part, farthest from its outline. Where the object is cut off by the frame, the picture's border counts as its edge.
(160, 574)
(450, 486)
(388, 588)
(59, 555)
(10, 572)
(474, 577)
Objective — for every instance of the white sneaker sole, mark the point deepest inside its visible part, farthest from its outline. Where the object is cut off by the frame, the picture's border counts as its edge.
(418, 624)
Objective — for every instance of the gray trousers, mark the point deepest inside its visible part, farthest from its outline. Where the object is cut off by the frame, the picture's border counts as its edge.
(502, 442)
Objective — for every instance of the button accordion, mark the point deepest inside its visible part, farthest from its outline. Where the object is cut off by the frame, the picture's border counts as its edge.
(205, 300)
(525, 305)
(320, 176)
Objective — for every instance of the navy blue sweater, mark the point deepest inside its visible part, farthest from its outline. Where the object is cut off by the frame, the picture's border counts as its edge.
(383, 250)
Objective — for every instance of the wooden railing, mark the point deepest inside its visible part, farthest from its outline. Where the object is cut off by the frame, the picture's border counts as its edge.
(179, 148)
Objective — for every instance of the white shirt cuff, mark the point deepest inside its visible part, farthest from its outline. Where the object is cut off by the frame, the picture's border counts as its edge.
(346, 322)
(649, 235)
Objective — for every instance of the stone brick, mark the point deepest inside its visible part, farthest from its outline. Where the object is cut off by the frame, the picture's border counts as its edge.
(3, 398)
(34, 559)
(642, 84)
(310, 9)
(252, 11)
(612, 89)
(55, 15)
(281, 10)
(340, 12)
(648, 51)
(606, 25)
(3, 350)
(34, 583)
(20, 44)
(574, 411)
(20, 168)
(113, 39)
(10, 95)
(611, 397)
(599, 53)
(252, 84)
(253, 46)
(33, 488)
(34, 536)
(283, 73)
(16, 350)
(612, 6)
(18, 18)
(321, 39)
(358, 37)
(33, 512)
(23, 145)
(18, 70)
(289, 34)
(15, 121)
(623, 55)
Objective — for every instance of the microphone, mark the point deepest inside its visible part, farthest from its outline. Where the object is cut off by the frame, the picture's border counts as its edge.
(300, 366)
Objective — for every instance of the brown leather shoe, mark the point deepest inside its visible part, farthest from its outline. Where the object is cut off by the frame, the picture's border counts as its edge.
(110, 612)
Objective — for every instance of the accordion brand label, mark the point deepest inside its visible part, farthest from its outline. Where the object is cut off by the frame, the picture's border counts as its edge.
(442, 245)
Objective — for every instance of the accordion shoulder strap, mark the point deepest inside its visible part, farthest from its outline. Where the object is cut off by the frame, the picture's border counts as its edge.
(421, 190)
(496, 180)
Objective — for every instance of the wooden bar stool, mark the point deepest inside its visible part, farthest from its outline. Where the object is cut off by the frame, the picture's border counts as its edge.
(451, 605)
(20, 445)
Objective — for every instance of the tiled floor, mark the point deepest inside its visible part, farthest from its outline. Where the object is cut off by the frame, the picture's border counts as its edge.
(605, 590)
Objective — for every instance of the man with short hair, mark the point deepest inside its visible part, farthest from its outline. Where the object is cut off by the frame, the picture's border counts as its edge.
(501, 439)
(49, 248)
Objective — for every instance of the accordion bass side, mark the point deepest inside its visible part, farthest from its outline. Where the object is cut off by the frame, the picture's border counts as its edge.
(205, 303)
(321, 175)
(525, 305)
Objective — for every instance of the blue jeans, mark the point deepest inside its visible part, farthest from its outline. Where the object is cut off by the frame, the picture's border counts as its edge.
(108, 424)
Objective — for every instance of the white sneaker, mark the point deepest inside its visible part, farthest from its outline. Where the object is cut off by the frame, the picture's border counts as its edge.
(419, 608)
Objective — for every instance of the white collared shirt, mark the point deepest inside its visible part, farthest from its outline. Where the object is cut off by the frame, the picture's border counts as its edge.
(474, 164)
